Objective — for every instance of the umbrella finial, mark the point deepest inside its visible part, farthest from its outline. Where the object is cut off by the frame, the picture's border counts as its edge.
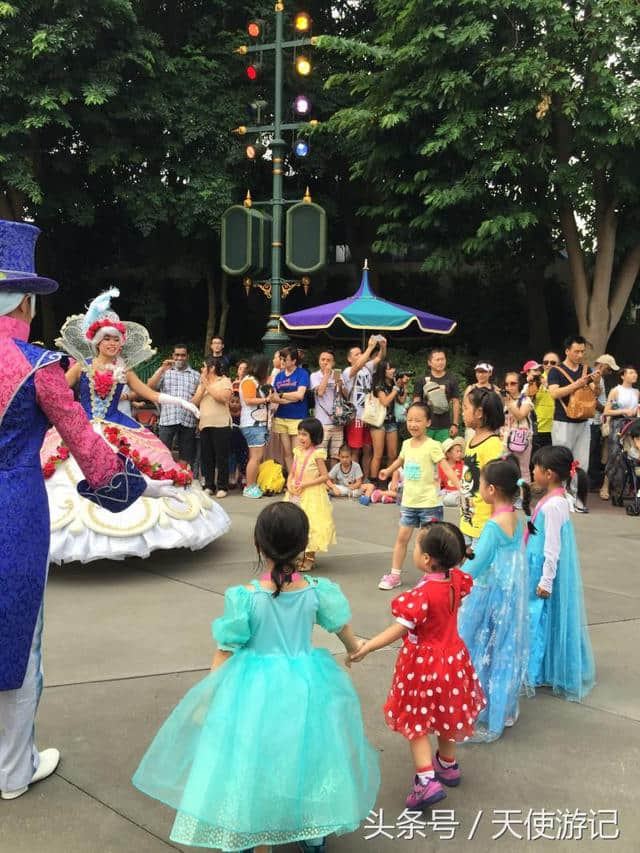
(366, 264)
(307, 197)
(248, 201)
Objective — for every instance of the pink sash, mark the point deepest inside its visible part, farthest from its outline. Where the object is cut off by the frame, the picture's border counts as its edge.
(297, 476)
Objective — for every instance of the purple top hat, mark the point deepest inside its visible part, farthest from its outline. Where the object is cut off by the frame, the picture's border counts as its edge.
(17, 259)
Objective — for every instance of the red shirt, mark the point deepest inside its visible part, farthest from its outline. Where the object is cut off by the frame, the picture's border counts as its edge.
(445, 483)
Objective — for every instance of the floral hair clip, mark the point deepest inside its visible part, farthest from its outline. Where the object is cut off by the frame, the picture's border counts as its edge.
(574, 467)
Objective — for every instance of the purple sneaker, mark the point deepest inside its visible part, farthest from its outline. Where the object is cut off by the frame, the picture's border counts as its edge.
(447, 775)
(425, 795)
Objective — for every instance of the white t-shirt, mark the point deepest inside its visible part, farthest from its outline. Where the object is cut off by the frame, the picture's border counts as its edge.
(358, 386)
(345, 478)
(324, 402)
(252, 415)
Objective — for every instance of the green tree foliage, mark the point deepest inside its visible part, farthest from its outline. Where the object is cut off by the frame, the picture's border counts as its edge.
(491, 127)
(115, 132)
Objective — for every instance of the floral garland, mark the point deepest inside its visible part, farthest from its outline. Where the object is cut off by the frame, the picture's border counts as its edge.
(61, 455)
(102, 388)
(105, 323)
(181, 474)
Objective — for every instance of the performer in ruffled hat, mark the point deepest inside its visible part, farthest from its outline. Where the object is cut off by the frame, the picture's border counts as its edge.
(107, 350)
(34, 393)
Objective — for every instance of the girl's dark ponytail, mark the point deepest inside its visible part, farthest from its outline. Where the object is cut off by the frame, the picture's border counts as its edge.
(280, 575)
(281, 534)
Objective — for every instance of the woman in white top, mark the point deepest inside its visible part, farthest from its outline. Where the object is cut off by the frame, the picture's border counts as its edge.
(622, 404)
(518, 429)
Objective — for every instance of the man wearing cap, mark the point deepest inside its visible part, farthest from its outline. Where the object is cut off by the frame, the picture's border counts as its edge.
(484, 372)
(34, 393)
(598, 448)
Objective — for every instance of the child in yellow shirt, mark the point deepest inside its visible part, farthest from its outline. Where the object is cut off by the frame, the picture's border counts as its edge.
(421, 503)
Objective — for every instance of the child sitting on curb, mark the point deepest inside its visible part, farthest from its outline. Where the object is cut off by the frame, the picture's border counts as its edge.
(453, 449)
(371, 494)
(345, 478)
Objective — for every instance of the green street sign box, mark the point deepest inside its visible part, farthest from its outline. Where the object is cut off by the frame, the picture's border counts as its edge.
(306, 250)
(246, 241)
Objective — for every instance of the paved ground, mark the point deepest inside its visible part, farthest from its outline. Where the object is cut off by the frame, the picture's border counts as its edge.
(123, 642)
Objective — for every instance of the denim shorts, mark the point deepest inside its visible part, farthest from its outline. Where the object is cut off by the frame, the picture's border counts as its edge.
(256, 436)
(416, 516)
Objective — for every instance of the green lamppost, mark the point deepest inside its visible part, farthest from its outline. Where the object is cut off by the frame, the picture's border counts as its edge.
(273, 288)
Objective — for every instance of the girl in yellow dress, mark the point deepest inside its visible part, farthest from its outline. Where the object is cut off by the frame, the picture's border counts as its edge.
(306, 486)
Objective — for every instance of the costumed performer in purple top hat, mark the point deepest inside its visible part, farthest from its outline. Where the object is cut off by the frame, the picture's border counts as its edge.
(33, 394)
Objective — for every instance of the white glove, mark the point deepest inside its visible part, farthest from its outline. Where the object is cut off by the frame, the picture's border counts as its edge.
(163, 489)
(166, 399)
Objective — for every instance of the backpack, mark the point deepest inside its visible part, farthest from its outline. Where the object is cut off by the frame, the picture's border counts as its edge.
(435, 395)
(270, 477)
(518, 439)
(582, 403)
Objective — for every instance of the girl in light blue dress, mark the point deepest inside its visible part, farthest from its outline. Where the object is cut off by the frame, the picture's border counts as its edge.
(493, 619)
(269, 748)
(560, 649)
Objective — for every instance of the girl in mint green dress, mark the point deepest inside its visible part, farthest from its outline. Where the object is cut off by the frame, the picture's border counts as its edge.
(269, 748)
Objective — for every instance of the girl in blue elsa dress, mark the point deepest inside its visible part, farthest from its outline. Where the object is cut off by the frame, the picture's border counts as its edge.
(493, 619)
(270, 747)
(560, 649)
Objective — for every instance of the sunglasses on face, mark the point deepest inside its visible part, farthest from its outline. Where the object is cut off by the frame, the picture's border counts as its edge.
(510, 383)
(549, 361)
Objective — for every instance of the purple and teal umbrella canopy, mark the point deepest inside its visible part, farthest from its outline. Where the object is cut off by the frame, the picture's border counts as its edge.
(364, 311)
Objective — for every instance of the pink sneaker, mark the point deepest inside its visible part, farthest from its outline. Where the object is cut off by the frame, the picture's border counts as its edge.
(390, 581)
(425, 795)
(447, 775)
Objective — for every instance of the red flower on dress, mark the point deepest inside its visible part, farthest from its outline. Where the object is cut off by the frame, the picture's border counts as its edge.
(61, 454)
(181, 476)
(103, 382)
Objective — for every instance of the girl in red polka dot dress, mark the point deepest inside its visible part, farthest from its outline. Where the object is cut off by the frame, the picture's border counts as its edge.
(435, 689)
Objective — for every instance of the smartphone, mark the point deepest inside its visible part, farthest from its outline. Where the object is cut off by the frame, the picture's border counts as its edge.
(336, 375)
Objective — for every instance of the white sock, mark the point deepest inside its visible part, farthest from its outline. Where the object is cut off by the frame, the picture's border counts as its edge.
(424, 777)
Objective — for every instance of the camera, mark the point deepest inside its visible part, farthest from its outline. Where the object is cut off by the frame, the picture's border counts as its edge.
(265, 390)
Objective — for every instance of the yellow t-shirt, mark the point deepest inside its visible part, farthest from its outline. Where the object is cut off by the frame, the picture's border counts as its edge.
(475, 511)
(419, 465)
(544, 405)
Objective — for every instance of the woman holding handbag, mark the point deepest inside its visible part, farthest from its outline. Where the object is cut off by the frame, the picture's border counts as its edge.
(518, 426)
(387, 392)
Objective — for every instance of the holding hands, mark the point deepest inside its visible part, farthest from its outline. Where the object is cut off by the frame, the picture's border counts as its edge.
(358, 654)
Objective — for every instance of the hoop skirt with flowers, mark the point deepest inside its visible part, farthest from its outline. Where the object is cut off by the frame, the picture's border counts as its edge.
(270, 747)
(82, 531)
(435, 689)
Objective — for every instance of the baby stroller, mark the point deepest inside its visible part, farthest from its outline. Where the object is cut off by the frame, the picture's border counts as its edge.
(623, 468)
